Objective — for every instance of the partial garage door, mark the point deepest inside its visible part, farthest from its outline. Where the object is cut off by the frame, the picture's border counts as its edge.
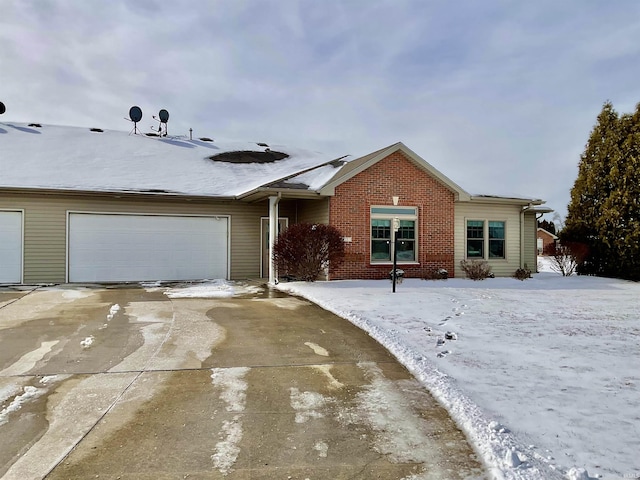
(117, 248)
(10, 247)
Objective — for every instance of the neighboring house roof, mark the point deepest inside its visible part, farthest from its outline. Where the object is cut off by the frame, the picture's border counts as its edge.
(77, 159)
(542, 230)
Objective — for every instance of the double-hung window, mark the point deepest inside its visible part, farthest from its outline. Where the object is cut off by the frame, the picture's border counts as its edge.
(496, 240)
(382, 234)
(485, 239)
(475, 238)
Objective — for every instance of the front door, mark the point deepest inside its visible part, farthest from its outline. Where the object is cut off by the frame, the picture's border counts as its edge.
(264, 235)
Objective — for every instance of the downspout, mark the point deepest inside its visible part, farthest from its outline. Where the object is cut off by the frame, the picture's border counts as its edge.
(524, 209)
(273, 234)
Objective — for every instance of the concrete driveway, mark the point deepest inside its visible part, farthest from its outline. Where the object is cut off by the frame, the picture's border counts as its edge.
(126, 383)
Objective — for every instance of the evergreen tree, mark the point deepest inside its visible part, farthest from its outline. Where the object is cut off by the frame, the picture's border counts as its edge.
(619, 221)
(604, 213)
(547, 225)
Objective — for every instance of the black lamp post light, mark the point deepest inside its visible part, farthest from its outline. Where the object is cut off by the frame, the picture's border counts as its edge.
(395, 273)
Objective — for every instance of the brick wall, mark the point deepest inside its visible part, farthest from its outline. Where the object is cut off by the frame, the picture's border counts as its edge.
(349, 211)
(547, 241)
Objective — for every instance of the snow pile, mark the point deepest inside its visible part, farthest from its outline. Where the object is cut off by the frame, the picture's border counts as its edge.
(112, 311)
(542, 374)
(29, 393)
(87, 342)
(211, 289)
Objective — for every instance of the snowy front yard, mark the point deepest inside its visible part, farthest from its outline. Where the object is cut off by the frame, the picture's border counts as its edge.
(543, 375)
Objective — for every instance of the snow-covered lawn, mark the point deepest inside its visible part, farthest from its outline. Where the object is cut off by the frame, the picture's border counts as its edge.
(543, 374)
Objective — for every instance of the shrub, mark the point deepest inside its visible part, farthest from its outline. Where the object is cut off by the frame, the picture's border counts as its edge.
(437, 274)
(304, 250)
(567, 257)
(476, 269)
(522, 273)
(399, 275)
(441, 274)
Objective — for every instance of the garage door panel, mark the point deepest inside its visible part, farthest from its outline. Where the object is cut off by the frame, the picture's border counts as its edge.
(136, 247)
(10, 247)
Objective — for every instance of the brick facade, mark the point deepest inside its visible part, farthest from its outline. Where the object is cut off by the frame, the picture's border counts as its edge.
(349, 212)
(548, 241)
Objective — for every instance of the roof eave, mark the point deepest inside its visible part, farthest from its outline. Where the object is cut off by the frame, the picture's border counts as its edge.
(110, 193)
(262, 193)
(507, 200)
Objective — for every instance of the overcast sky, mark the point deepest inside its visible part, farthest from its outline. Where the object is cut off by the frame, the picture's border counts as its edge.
(498, 95)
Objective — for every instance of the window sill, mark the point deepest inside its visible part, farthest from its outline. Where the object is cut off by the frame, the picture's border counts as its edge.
(391, 263)
(487, 259)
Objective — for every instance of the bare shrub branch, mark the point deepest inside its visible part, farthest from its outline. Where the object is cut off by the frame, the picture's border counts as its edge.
(304, 250)
(476, 269)
(565, 258)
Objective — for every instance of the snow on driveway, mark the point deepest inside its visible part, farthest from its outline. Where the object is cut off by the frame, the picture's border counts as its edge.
(543, 375)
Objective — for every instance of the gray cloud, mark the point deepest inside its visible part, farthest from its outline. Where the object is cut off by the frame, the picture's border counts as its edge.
(499, 95)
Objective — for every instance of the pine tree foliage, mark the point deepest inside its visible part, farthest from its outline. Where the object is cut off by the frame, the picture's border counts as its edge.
(604, 212)
(547, 225)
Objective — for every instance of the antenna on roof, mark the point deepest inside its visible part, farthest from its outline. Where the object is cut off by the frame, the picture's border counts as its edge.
(135, 115)
(163, 118)
(2, 108)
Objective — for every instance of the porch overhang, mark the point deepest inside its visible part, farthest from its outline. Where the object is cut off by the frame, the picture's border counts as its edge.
(261, 194)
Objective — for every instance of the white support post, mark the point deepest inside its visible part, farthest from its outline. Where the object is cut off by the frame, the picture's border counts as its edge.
(273, 234)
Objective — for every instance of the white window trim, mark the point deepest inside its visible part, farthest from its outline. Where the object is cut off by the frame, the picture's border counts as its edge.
(485, 239)
(390, 216)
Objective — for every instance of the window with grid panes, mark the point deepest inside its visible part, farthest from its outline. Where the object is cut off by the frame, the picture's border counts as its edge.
(382, 235)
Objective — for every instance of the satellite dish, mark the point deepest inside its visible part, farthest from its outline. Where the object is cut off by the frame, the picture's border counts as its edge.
(2, 108)
(135, 114)
(163, 115)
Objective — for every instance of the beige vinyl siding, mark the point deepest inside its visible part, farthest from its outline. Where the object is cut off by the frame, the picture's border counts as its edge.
(286, 209)
(313, 211)
(530, 257)
(45, 227)
(510, 214)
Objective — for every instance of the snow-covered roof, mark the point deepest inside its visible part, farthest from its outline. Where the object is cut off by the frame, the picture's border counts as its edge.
(512, 198)
(34, 156)
(79, 159)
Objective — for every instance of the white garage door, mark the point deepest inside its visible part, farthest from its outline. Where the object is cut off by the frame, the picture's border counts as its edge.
(10, 247)
(116, 248)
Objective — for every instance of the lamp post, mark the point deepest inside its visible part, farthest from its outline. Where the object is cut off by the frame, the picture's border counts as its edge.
(396, 227)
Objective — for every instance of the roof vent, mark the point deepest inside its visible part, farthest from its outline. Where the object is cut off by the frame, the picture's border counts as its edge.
(2, 108)
(36, 125)
(249, 157)
(206, 139)
(99, 130)
(262, 144)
